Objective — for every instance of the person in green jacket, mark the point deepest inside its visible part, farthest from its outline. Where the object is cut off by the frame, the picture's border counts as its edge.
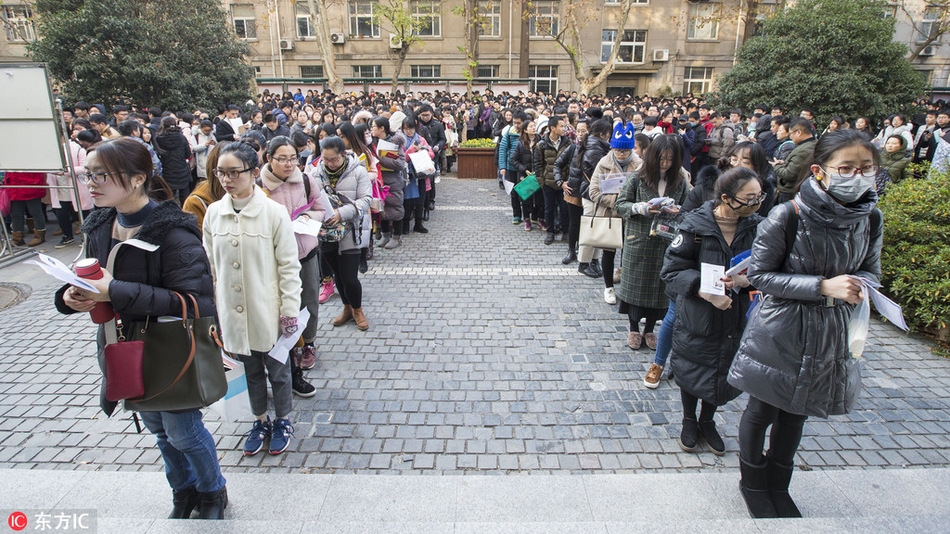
(894, 158)
(788, 173)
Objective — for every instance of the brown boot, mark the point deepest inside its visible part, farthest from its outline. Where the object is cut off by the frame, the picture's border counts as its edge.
(39, 236)
(344, 316)
(17, 238)
(360, 319)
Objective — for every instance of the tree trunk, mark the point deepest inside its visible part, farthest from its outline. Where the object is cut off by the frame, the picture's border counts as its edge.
(322, 27)
(401, 58)
(525, 42)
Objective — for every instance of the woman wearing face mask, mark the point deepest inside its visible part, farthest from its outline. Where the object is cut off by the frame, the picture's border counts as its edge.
(708, 326)
(620, 161)
(809, 279)
(745, 154)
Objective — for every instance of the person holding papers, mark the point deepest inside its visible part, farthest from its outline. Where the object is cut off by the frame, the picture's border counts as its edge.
(302, 197)
(794, 359)
(709, 321)
(392, 162)
(254, 260)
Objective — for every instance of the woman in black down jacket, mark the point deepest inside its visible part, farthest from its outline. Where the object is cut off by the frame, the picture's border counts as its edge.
(173, 151)
(595, 146)
(708, 327)
(523, 160)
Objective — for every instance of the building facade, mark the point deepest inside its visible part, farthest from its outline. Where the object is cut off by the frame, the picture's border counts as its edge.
(667, 47)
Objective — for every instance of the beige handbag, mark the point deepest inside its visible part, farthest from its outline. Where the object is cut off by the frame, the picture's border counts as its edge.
(601, 231)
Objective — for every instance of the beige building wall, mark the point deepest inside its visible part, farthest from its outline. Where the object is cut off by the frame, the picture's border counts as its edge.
(676, 46)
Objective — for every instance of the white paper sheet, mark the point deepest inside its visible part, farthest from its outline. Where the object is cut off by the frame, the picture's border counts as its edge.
(383, 148)
(508, 187)
(709, 281)
(307, 226)
(281, 349)
(422, 162)
(611, 184)
(59, 270)
(887, 307)
(740, 267)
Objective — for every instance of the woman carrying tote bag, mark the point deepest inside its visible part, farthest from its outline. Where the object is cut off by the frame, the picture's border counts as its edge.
(135, 205)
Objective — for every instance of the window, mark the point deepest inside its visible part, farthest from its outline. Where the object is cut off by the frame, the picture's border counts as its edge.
(890, 12)
(244, 25)
(697, 80)
(428, 14)
(488, 71)
(367, 71)
(930, 25)
(615, 2)
(543, 79)
(425, 71)
(361, 19)
(632, 47)
(18, 22)
(703, 21)
(489, 13)
(304, 22)
(544, 19)
(311, 71)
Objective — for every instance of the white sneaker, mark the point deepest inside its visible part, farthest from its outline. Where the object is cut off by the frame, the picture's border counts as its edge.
(609, 296)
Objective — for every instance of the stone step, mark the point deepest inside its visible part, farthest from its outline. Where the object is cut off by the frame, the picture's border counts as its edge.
(876, 500)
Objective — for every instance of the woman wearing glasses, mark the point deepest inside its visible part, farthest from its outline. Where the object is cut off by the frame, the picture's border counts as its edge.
(254, 260)
(794, 360)
(708, 326)
(134, 204)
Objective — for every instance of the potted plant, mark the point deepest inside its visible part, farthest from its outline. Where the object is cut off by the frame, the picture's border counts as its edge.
(476, 159)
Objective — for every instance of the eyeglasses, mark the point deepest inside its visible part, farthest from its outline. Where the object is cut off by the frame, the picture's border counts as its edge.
(848, 171)
(284, 161)
(230, 175)
(751, 201)
(95, 177)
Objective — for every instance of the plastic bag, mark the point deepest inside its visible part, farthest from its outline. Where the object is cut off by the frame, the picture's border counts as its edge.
(858, 327)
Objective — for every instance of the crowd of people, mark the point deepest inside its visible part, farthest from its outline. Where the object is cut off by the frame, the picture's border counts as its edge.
(366, 168)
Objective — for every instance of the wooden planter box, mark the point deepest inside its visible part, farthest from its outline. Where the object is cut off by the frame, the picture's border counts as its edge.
(477, 163)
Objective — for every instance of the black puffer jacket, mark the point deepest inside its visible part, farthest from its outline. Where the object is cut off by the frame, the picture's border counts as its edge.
(794, 353)
(522, 160)
(581, 170)
(144, 281)
(173, 152)
(705, 338)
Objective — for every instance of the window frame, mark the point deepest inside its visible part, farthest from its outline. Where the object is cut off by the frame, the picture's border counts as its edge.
(244, 20)
(304, 76)
(551, 78)
(922, 36)
(553, 15)
(432, 11)
(705, 21)
(705, 81)
(299, 17)
(635, 2)
(359, 17)
(435, 71)
(18, 23)
(377, 71)
(606, 46)
(490, 19)
(495, 69)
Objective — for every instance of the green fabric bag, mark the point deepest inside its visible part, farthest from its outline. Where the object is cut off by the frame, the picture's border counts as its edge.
(527, 187)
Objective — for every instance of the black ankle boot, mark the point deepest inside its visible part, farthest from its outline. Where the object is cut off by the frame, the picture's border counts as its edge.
(571, 256)
(213, 504)
(183, 502)
(755, 489)
(689, 437)
(779, 476)
(708, 430)
(419, 228)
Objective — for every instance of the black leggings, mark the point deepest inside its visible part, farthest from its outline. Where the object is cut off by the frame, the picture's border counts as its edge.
(345, 268)
(607, 265)
(635, 313)
(785, 437)
(689, 407)
(574, 234)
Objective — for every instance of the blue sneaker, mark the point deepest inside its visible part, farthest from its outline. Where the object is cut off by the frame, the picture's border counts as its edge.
(280, 438)
(255, 438)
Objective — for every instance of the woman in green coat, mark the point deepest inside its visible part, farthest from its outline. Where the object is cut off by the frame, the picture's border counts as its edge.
(641, 292)
(894, 158)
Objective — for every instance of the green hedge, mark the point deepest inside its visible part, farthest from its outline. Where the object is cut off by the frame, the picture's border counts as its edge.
(916, 256)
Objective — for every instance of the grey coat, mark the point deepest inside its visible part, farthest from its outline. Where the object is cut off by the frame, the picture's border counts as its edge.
(794, 353)
(356, 186)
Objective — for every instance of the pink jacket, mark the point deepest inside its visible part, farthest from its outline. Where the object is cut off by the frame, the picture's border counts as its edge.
(292, 194)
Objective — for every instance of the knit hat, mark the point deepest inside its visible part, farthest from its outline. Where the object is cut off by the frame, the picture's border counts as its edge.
(395, 121)
(622, 138)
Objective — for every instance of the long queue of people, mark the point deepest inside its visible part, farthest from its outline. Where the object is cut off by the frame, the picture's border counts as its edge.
(349, 166)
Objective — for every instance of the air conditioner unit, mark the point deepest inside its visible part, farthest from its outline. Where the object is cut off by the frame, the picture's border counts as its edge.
(286, 44)
(337, 38)
(928, 50)
(661, 55)
(394, 42)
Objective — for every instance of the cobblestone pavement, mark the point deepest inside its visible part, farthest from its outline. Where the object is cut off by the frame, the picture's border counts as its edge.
(484, 354)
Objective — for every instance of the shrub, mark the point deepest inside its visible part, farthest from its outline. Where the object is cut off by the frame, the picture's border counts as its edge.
(483, 142)
(915, 260)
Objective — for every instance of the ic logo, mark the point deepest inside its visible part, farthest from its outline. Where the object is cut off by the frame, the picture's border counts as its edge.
(17, 521)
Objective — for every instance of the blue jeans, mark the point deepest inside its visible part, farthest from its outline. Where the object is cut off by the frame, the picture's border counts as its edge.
(187, 448)
(664, 340)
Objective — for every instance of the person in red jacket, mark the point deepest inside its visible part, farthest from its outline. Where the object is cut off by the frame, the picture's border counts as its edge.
(23, 200)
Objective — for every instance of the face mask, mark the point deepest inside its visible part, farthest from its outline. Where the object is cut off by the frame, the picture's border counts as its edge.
(848, 189)
(624, 161)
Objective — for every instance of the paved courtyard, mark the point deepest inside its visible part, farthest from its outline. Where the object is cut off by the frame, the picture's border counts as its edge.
(484, 355)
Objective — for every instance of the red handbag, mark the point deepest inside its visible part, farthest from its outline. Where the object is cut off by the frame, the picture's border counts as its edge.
(124, 368)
